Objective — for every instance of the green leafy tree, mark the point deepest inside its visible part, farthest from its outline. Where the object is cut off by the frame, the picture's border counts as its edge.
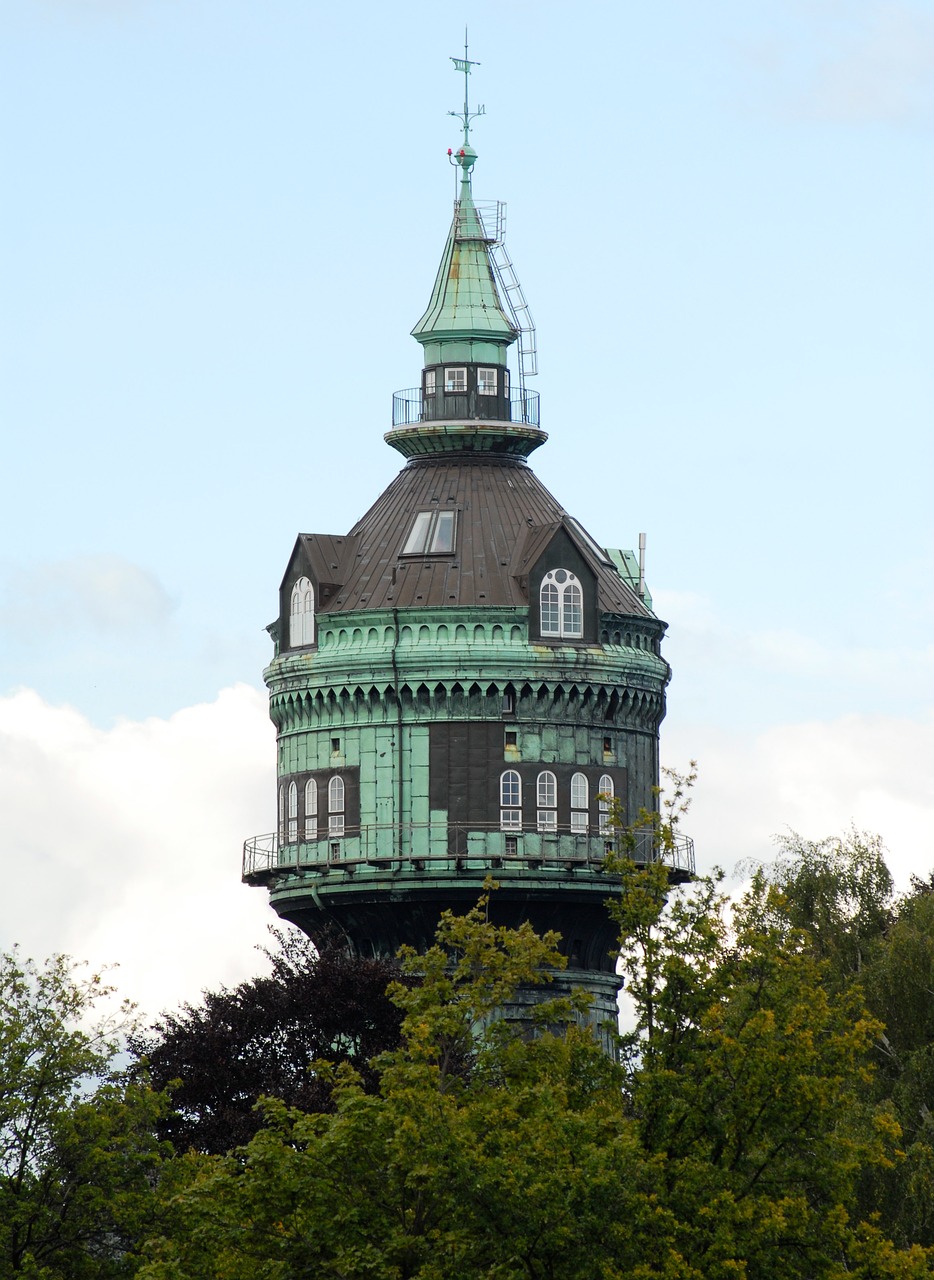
(840, 891)
(728, 1143)
(899, 987)
(78, 1151)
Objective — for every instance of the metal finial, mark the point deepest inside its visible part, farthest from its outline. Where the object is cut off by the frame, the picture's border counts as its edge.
(464, 64)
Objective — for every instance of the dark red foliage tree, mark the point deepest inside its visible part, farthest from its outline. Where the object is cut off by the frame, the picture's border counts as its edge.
(261, 1038)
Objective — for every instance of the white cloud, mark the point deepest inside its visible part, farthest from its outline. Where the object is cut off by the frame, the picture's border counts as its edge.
(882, 70)
(103, 593)
(816, 778)
(852, 61)
(779, 672)
(123, 845)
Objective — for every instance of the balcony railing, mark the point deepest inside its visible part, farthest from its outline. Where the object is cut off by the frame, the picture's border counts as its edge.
(451, 847)
(408, 410)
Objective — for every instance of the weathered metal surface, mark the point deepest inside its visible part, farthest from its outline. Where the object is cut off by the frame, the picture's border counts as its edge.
(502, 509)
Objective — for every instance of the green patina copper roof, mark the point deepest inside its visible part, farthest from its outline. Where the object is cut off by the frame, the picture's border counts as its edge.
(465, 301)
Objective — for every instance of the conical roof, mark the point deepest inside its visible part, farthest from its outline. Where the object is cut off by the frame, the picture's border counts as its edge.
(465, 301)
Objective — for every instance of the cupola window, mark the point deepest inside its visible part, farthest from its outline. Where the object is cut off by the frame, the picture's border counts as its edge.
(561, 605)
(510, 799)
(302, 614)
(547, 796)
(487, 382)
(455, 380)
(580, 803)
(430, 382)
(432, 534)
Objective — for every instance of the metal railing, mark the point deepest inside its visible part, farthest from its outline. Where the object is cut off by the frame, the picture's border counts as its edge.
(417, 848)
(408, 411)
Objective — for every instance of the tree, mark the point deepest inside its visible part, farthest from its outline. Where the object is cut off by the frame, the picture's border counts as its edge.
(899, 986)
(839, 890)
(728, 1144)
(77, 1136)
(218, 1058)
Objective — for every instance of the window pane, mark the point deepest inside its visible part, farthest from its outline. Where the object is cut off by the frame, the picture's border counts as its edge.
(418, 538)
(547, 790)
(455, 379)
(429, 382)
(336, 795)
(486, 382)
(572, 622)
(579, 792)
(510, 819)
(443, 537)
(547, 820)
(549, 611)
(606, 791)
(336, 824)
(510, 790)
(578, 823)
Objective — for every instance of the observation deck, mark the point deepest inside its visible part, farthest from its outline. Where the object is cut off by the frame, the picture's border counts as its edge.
(464, 424)
(431, 848)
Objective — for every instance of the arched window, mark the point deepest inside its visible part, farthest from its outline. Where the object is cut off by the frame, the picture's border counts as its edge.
(510, 801)
(561, 605)
(311, 809)
(302, 614)
(580, 804)
(336, 807)
(605, 803)
(293, 812)
(547, 796)
(282, 814)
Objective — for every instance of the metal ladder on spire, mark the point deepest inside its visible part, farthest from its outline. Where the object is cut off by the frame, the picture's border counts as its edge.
(514, 298)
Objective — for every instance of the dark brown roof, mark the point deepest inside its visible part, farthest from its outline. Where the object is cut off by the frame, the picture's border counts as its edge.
(505, 520)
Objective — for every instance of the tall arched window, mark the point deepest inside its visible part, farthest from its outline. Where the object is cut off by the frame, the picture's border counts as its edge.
(605, 803)
(336, 807)
(311, 809)
(302, 614)
(547, 796)
(561, 607)
(293, 812)
(580, 804)
(282, 814)
(510, 801)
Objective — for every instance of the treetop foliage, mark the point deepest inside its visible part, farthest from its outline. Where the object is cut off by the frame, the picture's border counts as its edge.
(261, 1038)
(769, 1117)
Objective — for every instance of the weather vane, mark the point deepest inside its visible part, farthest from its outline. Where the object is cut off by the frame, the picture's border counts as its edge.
(464, 64)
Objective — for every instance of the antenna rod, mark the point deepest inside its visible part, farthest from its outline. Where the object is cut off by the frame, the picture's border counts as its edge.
(641, 566)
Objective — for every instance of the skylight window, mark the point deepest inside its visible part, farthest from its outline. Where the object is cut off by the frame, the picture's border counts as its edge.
(432, 534)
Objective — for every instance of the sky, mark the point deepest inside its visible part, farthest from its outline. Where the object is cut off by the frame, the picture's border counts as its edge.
(221, 220)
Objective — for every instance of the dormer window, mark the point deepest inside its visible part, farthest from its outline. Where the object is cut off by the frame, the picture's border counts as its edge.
(302, 614)
(455, 379)
(432, 534)
(487, 382)
(562, 613)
